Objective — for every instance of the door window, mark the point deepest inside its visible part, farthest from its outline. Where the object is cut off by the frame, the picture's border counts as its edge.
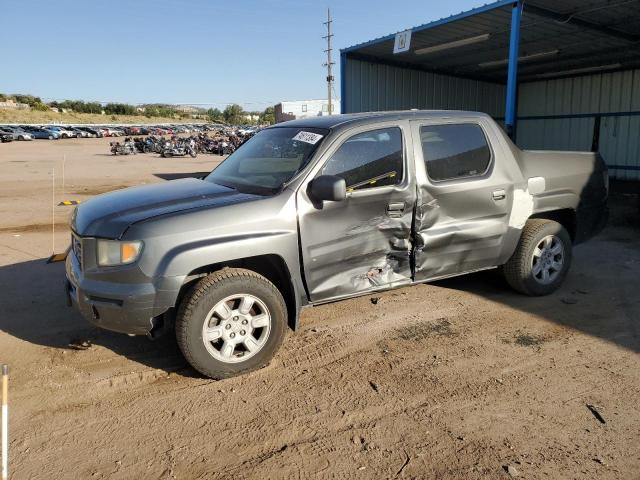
(369, 159)
(454, 151)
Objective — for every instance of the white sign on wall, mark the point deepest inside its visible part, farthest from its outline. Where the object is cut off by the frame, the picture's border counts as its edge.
(403, 41)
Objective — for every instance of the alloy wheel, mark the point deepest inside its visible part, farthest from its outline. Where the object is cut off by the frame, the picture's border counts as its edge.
(548, 259)
(236, 328)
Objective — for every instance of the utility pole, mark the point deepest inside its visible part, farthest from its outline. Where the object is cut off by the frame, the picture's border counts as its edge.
(329, 62)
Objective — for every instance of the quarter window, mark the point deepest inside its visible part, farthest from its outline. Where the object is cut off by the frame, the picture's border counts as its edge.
(454, 151)
(369, 159)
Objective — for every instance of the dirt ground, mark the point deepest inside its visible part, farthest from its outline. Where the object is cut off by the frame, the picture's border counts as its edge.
(457, 379)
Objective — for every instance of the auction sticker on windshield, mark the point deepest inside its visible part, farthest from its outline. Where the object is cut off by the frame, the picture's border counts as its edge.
(308, 137)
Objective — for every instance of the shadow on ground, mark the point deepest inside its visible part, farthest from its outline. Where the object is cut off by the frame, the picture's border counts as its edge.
(599, 298)
(34, 310)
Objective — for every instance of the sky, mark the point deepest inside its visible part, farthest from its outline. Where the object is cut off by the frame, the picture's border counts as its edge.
(206, 52)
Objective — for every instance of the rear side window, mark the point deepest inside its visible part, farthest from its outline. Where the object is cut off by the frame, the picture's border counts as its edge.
(369, 159)
(454, 151)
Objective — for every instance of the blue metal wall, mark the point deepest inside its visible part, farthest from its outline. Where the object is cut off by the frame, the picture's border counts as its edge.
(552, 115)
(376, 87)
(560, 114)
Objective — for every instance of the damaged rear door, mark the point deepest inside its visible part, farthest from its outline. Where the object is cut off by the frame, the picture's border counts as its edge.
(464, 197)
(362, 243)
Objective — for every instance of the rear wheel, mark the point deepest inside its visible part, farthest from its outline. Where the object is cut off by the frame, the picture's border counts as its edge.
(541, 260)
(231, 322)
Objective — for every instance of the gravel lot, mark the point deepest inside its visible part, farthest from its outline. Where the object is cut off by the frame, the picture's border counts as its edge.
(457, 379)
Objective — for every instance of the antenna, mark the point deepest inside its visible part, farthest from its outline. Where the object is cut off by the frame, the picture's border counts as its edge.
(329, 62)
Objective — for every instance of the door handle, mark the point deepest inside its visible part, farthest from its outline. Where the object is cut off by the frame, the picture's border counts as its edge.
(395, 209)
(499, 194)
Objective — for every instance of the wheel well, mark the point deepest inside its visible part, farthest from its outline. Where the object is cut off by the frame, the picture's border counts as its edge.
(272, 267)
(565, 217)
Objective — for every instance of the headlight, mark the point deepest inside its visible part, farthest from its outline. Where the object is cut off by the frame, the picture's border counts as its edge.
(114, 252)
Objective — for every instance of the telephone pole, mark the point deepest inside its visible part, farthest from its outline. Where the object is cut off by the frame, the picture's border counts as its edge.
(329, 62)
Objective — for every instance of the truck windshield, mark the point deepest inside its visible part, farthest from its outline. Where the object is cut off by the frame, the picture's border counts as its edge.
(268, 160)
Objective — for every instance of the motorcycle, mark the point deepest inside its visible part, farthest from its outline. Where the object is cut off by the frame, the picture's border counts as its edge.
(126, 148)
(180, 149)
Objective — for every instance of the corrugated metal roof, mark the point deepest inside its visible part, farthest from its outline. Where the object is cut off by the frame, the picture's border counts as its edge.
(558, 38)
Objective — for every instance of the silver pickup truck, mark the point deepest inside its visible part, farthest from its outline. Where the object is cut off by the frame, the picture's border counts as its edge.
(321, 209)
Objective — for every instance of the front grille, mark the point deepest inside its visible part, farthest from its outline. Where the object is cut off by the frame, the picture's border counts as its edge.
(76, 246)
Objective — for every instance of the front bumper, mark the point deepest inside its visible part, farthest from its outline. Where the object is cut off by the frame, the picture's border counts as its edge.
(120, 307)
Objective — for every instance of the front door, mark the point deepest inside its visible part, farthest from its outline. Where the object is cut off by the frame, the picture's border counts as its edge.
(463, 200)
(364, 242)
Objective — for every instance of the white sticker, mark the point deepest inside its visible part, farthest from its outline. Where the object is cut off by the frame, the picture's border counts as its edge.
(308, 137)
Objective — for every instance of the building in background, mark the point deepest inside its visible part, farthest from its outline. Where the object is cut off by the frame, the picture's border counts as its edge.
(251, 117)
(305, 108)
(567, 77)
(11, 104)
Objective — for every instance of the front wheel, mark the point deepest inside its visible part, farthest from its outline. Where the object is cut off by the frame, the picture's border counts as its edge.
(231, 322)
(541, 260)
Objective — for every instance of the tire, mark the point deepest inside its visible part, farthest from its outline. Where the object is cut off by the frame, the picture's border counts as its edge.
(230, 286)
(50, 137)
(21, 138)
(544, 246)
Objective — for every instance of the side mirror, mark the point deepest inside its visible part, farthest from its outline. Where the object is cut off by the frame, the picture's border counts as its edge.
(328, 187)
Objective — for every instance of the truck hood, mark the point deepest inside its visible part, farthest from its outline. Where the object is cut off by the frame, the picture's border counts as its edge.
(109, 215)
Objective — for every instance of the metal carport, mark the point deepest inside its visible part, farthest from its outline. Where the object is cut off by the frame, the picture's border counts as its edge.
(559, 74)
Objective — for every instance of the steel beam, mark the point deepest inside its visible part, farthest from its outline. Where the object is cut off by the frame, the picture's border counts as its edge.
(343, 82)
(512, 70)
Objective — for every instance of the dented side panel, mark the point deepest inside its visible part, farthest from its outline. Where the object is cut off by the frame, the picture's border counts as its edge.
(359, 244)
(468, 224)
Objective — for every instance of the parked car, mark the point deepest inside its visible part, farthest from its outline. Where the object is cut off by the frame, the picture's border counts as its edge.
(62, 132)
(325, 208)
(113, 132)
(18, 133)
(131, 130)
(91, 131)
(38, 132)
(79, 133)
(6, 136)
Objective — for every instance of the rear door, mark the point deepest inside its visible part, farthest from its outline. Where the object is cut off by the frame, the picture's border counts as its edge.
(463, 197)
(364, 242)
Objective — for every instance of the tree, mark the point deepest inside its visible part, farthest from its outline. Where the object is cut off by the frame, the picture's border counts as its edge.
(119, 109)
(268, 116)
(28, 99)
(215, 115)
(233, 114)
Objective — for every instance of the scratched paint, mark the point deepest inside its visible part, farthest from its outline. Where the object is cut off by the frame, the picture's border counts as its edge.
(521, 208)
